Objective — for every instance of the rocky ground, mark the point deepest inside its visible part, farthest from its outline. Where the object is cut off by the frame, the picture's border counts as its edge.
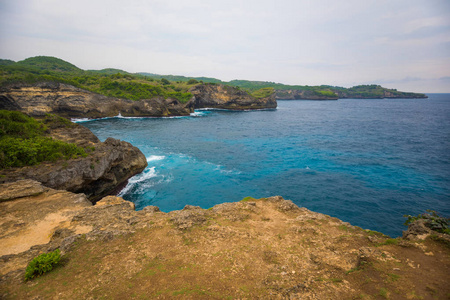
(256, 248)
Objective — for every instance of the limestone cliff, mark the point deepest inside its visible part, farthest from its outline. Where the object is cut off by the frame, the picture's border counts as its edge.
(227, 97)
(108, 165)
(71, 102)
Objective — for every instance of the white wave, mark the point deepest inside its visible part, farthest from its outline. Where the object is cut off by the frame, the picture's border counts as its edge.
(139, 178)
(79, 120)
(197, 114)
(155, 157)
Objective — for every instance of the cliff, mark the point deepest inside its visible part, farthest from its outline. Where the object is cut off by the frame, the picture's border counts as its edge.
(109, 164)
(71, 102)
(227, 97)
(255, 249)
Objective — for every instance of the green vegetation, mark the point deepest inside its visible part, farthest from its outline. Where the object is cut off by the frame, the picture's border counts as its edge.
(432, 220)
(108, 82)
(388, 242)
(262, 93)
(384, 293)
(47, 63)
(248, 198)
(121, 84)
(42, 264)
(23, 141)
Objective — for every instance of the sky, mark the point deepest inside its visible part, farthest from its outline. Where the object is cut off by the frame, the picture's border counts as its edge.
(402, 44)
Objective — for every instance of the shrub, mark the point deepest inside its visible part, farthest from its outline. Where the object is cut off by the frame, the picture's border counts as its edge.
(42, 264)
(22, 141)
(432, 221)
(192, 81)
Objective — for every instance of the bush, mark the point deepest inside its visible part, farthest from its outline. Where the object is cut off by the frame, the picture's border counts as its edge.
(23, 143)
(432, 221)
(192, 81)
(42, 264)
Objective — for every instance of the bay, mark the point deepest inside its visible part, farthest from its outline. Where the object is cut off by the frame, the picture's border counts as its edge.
(364, 161)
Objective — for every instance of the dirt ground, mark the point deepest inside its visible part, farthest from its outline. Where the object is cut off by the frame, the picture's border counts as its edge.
(253, 249)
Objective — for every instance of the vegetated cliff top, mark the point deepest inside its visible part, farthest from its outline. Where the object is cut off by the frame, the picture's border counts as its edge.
(59, 70)
(255, 249)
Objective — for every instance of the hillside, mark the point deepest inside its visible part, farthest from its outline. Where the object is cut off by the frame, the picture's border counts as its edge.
(121, 84)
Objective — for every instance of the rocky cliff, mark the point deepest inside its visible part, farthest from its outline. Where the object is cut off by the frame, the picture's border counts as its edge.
(253, 249)
(227, 97)
(71, 102)
(108, 165)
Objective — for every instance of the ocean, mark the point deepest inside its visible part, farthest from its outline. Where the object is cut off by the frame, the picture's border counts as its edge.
(364, 161)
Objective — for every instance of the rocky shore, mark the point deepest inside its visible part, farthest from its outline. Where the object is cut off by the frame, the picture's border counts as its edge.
(70, 102)
(108, 164)
(257, 248)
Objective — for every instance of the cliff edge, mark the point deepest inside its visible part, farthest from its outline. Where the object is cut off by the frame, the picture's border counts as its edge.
(227, 97)
(108, 164)
(70, 102)
(255, 249)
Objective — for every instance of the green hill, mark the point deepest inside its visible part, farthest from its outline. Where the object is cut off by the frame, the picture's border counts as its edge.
(122, 84)
(48, 63)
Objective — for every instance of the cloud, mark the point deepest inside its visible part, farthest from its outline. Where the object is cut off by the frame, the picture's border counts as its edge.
(291, 41)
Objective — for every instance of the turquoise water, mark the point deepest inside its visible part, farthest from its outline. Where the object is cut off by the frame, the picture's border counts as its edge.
(367, 162)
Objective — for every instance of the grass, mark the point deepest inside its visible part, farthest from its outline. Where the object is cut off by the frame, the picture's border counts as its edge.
(388, 242)
(247, 199)
(384, 293)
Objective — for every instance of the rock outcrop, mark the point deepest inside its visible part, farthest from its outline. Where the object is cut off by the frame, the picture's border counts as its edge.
(71, 102)
(227, 97)
(265, 248)
(108, 165)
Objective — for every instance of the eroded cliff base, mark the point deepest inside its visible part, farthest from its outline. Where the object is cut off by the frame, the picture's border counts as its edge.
(257, 248)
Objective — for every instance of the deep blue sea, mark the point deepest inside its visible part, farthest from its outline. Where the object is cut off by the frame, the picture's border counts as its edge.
(367, 162)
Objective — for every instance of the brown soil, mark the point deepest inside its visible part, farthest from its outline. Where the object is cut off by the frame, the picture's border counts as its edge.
(266, 248)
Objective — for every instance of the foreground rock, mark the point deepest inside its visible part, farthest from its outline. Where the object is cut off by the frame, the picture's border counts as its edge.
(108, 165)
(255, 249)
(227, 97)
(71, 102)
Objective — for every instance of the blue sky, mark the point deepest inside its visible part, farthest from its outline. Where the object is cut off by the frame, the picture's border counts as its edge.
(403, 44)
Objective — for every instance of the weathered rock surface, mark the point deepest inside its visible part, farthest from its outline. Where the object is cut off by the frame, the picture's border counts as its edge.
(19, 189)
(71, 102)
(256, 249)
(105, 168)
(227, 97)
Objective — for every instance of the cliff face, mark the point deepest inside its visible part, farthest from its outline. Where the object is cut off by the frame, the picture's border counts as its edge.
(254, 249)
(102, 171)
(71, 102)
(227, 97)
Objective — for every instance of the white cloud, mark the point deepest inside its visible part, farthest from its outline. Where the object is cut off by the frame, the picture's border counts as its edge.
(290, 41)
